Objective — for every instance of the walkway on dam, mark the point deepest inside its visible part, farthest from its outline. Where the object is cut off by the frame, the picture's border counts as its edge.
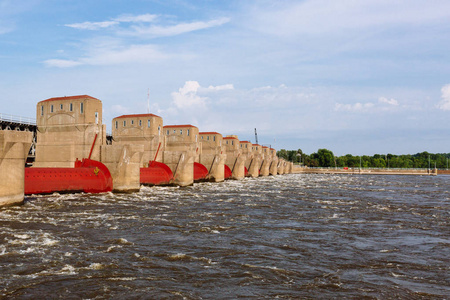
(12, 122)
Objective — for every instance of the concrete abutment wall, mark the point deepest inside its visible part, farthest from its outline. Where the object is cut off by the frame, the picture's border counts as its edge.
(14, 147)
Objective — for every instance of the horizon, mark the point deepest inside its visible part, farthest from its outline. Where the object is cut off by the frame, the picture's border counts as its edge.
(355, 78)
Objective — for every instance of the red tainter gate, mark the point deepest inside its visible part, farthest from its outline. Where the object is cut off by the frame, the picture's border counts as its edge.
(157, 173)
(200, 172)
(227, 172)
(88, 176)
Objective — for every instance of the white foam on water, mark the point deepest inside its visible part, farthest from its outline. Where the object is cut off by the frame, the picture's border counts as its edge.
(68, 270)
(96, 266)
(122, 278)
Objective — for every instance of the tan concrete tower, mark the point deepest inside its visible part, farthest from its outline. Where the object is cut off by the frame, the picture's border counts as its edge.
(234, 160)
(252, 158)
(140, 129)
(67, 128)
(266, 161)
(182, 146)
(213, 155)
(281, 165)
(273, 169)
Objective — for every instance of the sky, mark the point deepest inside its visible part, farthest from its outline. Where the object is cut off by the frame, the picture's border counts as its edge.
(354, 77)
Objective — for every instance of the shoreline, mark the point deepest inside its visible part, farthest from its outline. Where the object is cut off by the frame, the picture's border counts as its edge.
(357, 171)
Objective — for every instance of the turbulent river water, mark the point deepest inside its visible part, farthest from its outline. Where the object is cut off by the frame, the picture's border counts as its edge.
(289, 236)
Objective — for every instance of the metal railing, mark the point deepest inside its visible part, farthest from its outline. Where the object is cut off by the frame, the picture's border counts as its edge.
(17, 119)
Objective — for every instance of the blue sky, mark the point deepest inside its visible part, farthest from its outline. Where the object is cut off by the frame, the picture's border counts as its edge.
(359, 77)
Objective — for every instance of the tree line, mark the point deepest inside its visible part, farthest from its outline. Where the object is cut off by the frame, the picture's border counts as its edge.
(326, 159)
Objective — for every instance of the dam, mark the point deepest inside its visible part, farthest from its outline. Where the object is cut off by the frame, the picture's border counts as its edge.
(68, 150)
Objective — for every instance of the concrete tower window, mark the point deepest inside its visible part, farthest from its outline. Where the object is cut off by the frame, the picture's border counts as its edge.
(96, 117)
(207, 138)
(181, 131)
(148, 123)
(214, 138)
(117, 124)
(159, 130)
(81, 107)
(232, 142)
(71, 107)
(61, 106)
(140, 123)
(188, 132)
(174, 131)
(51, 108)
(132, 122)
(124, 123)
(167, 131)
(42, 110)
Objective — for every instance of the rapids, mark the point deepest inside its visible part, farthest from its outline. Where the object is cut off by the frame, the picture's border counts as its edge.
(289, 236)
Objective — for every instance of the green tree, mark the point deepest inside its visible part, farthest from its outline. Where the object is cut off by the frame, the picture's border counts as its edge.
(325, 157)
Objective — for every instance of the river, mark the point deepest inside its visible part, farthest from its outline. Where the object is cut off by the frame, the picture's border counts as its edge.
(289, 236)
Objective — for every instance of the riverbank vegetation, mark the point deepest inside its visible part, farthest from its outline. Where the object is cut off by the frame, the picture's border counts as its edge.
(325, 158)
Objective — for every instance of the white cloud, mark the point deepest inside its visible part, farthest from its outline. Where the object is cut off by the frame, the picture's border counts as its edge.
(113, 55)
(92, 25)
(149, 31)
(357, 107)
(383, 104)
(221, 87)
(62, 63)
(147, 18)
(131, 54)
(159, 31)
(224, 109)
(388, 101)
(324, 16)
(187, 97)
(445, 95)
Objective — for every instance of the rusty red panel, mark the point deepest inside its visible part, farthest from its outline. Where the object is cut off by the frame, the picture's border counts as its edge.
(200, 172)
(88, 176)
(157, 173)
(246, 171)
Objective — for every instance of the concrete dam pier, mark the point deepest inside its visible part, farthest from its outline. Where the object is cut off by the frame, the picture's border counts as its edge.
(73, 153)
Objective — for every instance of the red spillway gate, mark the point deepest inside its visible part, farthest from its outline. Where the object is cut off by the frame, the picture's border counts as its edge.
(228, 172)
(156, 173)
(88, 176)
(200, 172)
